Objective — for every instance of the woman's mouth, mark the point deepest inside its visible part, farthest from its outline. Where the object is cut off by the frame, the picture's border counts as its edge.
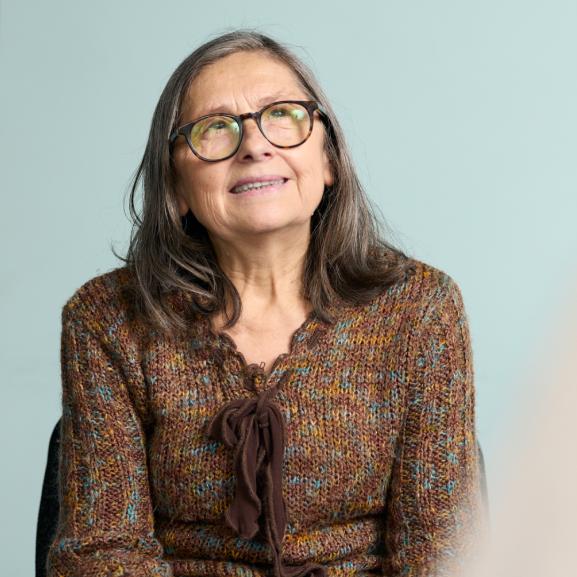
(258, 188)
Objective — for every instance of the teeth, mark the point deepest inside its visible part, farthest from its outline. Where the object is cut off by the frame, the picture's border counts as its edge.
(250, 185)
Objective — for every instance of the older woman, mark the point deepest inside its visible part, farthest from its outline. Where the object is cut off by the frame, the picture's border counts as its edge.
(266, 387)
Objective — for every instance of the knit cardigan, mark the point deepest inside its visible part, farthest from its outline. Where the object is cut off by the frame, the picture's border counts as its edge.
(355, 455)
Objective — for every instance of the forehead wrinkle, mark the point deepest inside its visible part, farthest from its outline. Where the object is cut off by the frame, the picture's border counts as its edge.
(278, 95)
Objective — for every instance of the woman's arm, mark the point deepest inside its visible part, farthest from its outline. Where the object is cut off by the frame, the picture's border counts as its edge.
(105, 526)
(435, 511)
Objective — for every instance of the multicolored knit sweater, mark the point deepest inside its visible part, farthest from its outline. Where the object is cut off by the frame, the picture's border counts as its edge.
(356, 455)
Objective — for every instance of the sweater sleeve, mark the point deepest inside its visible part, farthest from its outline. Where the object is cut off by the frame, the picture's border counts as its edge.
(436, 518)
(105, 525)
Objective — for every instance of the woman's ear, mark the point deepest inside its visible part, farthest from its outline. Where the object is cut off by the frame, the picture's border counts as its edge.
(181, 203)
(327, 170)
(183, 207)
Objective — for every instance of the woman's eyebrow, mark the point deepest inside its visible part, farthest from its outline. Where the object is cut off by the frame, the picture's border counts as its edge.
(260, 102)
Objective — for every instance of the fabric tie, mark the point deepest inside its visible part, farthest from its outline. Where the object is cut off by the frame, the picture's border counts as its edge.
(254, 429)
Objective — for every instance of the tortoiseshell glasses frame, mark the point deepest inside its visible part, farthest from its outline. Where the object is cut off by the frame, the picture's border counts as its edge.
(185, 130)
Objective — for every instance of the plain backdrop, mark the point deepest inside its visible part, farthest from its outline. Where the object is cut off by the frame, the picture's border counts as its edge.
(462, 122)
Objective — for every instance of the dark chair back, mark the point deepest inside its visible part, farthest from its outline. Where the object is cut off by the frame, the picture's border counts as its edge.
(49, 503)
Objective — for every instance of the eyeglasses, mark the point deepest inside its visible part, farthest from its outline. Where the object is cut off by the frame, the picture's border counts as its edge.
(285, 124)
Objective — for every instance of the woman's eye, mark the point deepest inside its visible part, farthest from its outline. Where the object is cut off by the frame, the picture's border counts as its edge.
(218, 125)
(279, 112)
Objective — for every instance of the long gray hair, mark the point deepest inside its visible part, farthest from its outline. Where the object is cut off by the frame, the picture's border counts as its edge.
(347, 256)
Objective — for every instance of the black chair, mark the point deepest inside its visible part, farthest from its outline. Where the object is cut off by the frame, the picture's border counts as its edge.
(50, 503)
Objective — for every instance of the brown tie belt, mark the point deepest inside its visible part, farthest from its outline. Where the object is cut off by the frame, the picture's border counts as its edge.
(254, 429)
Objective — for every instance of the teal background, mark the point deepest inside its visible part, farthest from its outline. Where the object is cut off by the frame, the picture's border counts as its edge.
(469, 150)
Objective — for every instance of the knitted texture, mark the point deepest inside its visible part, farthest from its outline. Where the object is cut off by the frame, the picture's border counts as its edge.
(380, 473)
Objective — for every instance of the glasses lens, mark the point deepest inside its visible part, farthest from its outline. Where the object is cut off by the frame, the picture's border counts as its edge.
(215, 137)
(286, 123)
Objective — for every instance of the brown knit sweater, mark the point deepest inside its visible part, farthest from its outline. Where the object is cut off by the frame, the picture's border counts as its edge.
(356, 455)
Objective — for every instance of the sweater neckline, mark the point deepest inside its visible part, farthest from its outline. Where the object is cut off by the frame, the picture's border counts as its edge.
(308, 334)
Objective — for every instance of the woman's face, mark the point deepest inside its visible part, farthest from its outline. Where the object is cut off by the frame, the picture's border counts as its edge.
(238, 83)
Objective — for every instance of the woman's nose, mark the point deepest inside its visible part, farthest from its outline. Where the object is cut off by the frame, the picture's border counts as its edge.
(253, 143)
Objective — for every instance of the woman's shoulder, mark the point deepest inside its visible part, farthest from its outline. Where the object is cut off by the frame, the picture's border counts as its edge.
(107, 296)
(425, 289)
(430, 279)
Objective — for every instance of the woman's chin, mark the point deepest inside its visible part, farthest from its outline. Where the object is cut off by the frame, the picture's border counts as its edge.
(270, 222)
